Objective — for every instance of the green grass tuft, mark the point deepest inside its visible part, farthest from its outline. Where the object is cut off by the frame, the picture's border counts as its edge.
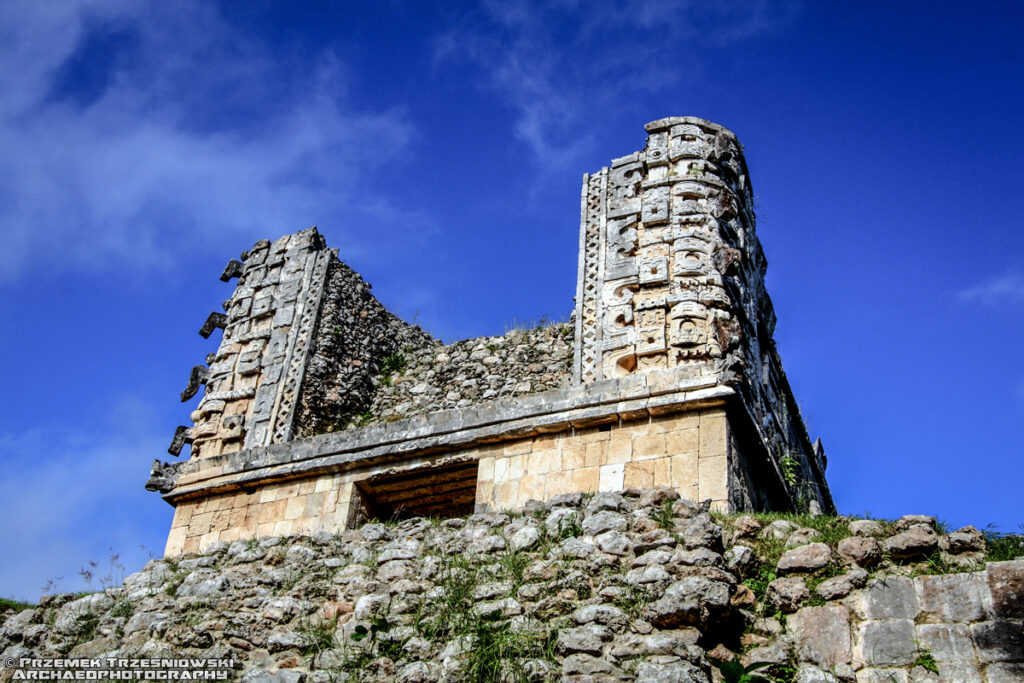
(1002, 547)
(17, 605)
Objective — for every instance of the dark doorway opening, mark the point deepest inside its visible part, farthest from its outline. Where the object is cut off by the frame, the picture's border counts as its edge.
(443, 490)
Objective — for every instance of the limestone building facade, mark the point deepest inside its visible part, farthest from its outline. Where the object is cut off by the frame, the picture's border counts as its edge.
(321, 409)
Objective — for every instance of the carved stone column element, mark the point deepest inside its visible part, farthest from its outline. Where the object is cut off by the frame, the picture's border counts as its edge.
(254, 379)
(650, 291)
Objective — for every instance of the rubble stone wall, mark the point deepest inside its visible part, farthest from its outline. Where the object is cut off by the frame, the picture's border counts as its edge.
(465, 373)
(354, 340)
(616, 586)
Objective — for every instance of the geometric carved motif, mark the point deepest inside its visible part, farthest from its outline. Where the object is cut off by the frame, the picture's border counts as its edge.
(313, 277)
(588, 290)
(653, 247)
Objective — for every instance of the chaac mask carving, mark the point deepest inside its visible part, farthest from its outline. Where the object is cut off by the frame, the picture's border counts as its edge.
(661, 231)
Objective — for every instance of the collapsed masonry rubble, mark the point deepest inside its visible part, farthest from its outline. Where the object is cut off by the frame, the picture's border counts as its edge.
(322, 410)
(613, 586)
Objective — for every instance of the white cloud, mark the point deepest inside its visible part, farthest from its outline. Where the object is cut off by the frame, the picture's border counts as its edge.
(562, 64)
(194, 134)
(70, 497)
(1005, 288)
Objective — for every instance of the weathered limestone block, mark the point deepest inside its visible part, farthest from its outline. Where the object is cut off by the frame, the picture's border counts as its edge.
(1005, 673)
(888, 642)
(951, 598)
(873, 675)
(779, 530)
(890, 597)
(821, 635)
(999, 641)
(580, 664)
(909, 521)
(589, 639)
(806, 558)
(787, 594)
(947, 642)
(740, 560)
(600, 522)
(918, 542)
(689, 602)
(964, 540)
(949, 672)
(812, 674)
(859, 550)
(1006, 584)
(800, 537)
(842, 585)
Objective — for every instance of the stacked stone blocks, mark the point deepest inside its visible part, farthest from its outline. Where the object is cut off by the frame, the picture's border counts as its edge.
(675, 379)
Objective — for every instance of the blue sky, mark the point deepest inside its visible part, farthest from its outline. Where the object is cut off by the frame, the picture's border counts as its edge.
(441, 147)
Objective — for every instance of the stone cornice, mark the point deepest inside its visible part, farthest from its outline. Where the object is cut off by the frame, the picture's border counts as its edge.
(629, 398)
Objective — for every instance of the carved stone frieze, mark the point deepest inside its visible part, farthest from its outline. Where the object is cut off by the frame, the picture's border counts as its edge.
(654, 250)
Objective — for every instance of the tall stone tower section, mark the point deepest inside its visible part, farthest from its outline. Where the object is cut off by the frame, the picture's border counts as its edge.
(663, 238)
(671, 276)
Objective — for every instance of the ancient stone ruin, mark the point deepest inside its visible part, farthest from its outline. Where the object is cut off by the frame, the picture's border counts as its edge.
(565, 503)
(322, 410)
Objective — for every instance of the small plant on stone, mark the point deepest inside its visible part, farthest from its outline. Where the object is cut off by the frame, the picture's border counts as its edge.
(379, 626)
(934, 564)
(759, 583)
(665, 518)
(498, 652)
(790, 467)
(925, 658)
(1001, 547)
(361, 419)
(176, 578)
(391, 366)
(568, 529)
(633, 600)
(734, 672)
(122, 608)
(783, 673)
(16, 605)
(86, 627)
(317, 636)
(514, 564)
